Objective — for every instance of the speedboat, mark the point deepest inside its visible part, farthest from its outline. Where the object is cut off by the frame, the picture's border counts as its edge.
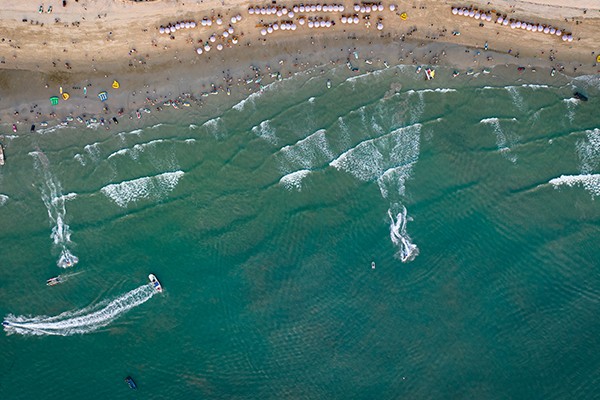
(155, 283)
(429, 73)
(1, 155)
(130, 382)
(5, 323)
(54, 281)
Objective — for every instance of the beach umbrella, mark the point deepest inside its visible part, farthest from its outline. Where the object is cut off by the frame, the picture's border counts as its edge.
(161, 30)
(528, 27)
(471, 13)
(263, 31)
(540, 28)
(311, 24)
(279, 13)
(301, 21)
(356, 20)
(313, 8)
(219, 21)
(207, 47)
(570, 38)
(193, 24)
(356, 8)
(239, 17)
(518, 24)
(199, 50)
(219, 47)
(233, 20)
(284, 27)
(295, 8)
(523, 25)
(380, 7)
(212, 38)
(173, 29)
(262, 11)
(318, 7)
(188, 25)
(477, 15)
(301, 8)
(234, 40)
(552, 31)
(276, 26)
(488, 18)
(380, 26)
(328, 24)
(291, 14)
(344, 20)
(505, 22)
(558, 32)
(513, 25)
(546, 30)
(177, 26)
(284, 10)
(270, 29)
(251, 10)
(230, 29)
(564, 38)
(393, 8)
(225, 34)
(294, 27)
(500, 20)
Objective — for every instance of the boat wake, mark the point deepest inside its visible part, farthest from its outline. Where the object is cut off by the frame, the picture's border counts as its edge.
(55, 203)
(79, 322)
(407, 251)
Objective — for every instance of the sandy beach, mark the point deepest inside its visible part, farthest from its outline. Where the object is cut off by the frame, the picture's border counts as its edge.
(82, 47)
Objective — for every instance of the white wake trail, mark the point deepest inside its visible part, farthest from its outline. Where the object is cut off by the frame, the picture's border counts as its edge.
(407, 251)
(81, 321)
(55, 203)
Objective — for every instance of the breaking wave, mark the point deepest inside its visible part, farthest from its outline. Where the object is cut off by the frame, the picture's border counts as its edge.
(589, 151)
(265, 131)
(502, 141)
(3, 199)
(590, 182)
(149, 187)
(81, 321)
(294, 180)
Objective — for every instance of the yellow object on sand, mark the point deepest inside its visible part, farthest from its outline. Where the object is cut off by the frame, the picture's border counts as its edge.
(403, 16)
(598, 59)
(65, 96)
(60, 90)
(115, 85)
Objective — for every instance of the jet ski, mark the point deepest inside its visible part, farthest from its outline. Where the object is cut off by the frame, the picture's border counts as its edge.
(54, 281)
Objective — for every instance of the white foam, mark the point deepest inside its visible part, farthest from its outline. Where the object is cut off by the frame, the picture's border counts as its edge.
(55, 203)
(80, 158)
(307, 153)
(311, 100)
(371, 158)
(192, 126)
(253, 96)
(532, 86)
(81, 321)
(590, 182)
(589, 151)
(93, 150)
(395, 178)
(3, 199)
(134, 152)
(501, 140)
(149, 187)
(294, 180)
(436, 90)
(265, 131)
(407, 251)
(571, 104)
(516, 97)
(51, 129)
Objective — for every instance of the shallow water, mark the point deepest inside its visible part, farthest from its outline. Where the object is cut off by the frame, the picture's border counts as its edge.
(476, 197)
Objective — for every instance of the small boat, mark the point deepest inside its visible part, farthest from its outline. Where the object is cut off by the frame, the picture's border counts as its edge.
(553, 72)
(115, 120)
(54, 281)
(372, 264)
(32, 128)
(5, 323)
(14, 128)
(1, 155)
(130, 382)
(138, 115)
(419, 68)
(328, 83)
(155, 283)
(580, 96)
(455, 74)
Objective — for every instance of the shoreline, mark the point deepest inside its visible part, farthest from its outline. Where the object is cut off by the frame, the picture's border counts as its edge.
(188, 78)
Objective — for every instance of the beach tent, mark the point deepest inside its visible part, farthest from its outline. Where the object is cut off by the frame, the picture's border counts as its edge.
(65, 96)
(115, 85)
(54, 100)
(403, 16)
(103, 96)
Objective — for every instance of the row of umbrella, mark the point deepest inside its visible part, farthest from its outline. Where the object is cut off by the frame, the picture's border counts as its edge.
(174, 27)
(281, 11)
(350, 19)
(514, 24)
(366, 8)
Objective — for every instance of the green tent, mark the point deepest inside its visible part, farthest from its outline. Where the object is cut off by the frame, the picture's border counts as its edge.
(54, 100)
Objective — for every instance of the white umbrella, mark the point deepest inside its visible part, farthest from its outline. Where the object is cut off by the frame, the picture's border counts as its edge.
(161, 30)
(393, 8)
(301, 8)
(311, 24)
(212, 38)
(279, 13)
(233, 20)
(471, 13)
(488, 18)
(552, 31)
(219, 47)
(564, 38)
(540, 28)
(294, 27)
(230, 29)
(528, 27)
(301, 21)
(225, 34)
(296, 9)
(193, 24)
(234, 40)
(270, 29)
(199, 50)
(518, 24)
(219, 21)
(505, 22)
(328, 24)
(368, 9)
(276, 26)
(380, 7)
(558, 32)
(344, 20)
(251, 11)
(313, 8)
(177, 26)
(263, 31)
(341, 8)
(380, 26)
(546, 30)
(188, 25)
(356, 8)
(208, 22)
(500, 20)
(363, 9)
(291, 14)
(284, 10)
(206, 47)
(356, 20)
(239, 17)
(318, 7)
(570, 38)
(173, 29)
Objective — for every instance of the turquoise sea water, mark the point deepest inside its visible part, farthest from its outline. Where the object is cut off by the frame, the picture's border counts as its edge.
(475, 197)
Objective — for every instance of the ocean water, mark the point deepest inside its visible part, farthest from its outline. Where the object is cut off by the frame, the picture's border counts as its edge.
(437, 239)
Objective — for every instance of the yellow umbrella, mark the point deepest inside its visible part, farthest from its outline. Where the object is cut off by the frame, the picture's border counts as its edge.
(65, 96)
(115, 85)
(403, 16)
(598, 59)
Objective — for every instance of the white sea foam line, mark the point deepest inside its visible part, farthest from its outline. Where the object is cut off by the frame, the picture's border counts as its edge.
(436, 90)
(3, 199)
(533, 86)
(136, 149)
(501, 140)
(517, 98)
(369, 159)
(589, 151)
(395, 178)
(93, 150)
(293, 181)
(590, 182)
(82, 321)
(151, 187)
(309, 152)
(265, 131)
(253, 96)
(407, 251)
(52, 129)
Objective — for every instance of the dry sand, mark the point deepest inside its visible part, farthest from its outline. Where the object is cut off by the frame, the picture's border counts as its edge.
(88, 43)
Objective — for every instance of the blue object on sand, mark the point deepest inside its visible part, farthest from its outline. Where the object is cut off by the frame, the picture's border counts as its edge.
(103, 96)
